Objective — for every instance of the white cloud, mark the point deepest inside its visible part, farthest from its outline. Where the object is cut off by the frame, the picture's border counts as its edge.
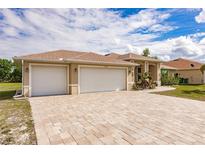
(10, 31)
(161, 28)
(183, 46)
(98, 30)
(202, 41)
(12, 19)
(75, 29)
(201, 17)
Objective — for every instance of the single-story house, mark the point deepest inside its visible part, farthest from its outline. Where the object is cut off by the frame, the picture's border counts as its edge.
(73, 72)
(187, 70)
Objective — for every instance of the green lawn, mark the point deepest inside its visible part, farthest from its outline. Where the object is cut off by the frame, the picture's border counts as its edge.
(196, 92)
(7, 90)
(16, 124)
(10, 86)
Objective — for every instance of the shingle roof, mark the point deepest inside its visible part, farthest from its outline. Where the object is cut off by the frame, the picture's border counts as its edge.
(167, 67)
(112, 55)
(132, 56)
(181, 63)
(73, 56)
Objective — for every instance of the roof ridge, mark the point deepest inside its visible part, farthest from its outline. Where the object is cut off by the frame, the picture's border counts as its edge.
(81, 55)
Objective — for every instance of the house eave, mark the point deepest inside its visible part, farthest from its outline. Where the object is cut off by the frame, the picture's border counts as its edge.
(150, 60)
(77, 61)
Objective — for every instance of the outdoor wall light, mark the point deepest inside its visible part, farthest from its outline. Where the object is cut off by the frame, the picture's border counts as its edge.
(130, 70)
(75, 69)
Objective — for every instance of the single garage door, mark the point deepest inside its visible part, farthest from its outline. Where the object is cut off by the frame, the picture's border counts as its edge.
(48, 80)
(102, 79)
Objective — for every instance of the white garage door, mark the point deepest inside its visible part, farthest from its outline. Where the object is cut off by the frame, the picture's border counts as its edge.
(102, 79)
(48, 80)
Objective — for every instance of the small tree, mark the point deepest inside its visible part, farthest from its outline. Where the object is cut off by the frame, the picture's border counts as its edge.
(5, 69)
(166, 79)
(9, 71)
(146, 52)
(202, 69)
(16, 75)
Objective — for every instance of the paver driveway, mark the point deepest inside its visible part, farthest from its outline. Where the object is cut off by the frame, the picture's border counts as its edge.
(127, 117)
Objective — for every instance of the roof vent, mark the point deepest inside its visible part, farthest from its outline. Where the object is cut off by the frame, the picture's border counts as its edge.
(192, 65)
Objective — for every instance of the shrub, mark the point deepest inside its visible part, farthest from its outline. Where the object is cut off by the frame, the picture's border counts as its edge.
(145, 83)
(169, 80)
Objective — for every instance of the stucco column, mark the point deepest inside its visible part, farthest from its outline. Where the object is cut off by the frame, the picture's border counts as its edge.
(25, 79)
(130, 77)
(73, 79)
(158, 74)
(146, 67)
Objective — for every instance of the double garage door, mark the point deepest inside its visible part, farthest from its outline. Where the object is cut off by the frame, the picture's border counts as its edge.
(101, 79)
(52, 80)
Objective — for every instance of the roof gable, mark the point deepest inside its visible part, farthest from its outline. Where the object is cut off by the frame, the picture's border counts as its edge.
(132, 56)
(112, 55)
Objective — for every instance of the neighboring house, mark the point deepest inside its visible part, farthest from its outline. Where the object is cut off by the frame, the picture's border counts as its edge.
(187, 70)
(72, 72)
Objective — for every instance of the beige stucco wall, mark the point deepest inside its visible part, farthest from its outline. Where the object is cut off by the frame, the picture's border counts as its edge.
(73, 82)
(72, 70)
(194, 76)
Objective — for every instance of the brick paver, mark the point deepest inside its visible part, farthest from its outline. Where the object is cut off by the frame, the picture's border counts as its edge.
(127, 117)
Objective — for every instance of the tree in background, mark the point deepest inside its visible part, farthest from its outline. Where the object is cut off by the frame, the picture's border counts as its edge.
(146, 52)
(9, 71)
(16, 75)
(5, 69)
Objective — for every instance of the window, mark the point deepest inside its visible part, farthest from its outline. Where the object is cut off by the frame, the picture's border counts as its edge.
(139, 70)
(176, 75)
(138, 74)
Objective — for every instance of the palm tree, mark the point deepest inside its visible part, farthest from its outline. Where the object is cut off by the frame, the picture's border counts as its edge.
(146, 52)
(202, 69)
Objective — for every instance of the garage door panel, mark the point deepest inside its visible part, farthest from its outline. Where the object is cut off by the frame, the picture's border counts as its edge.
(48, 80)
(102, 79)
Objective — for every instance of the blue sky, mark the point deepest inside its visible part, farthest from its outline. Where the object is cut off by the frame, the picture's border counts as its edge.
(168, 33)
